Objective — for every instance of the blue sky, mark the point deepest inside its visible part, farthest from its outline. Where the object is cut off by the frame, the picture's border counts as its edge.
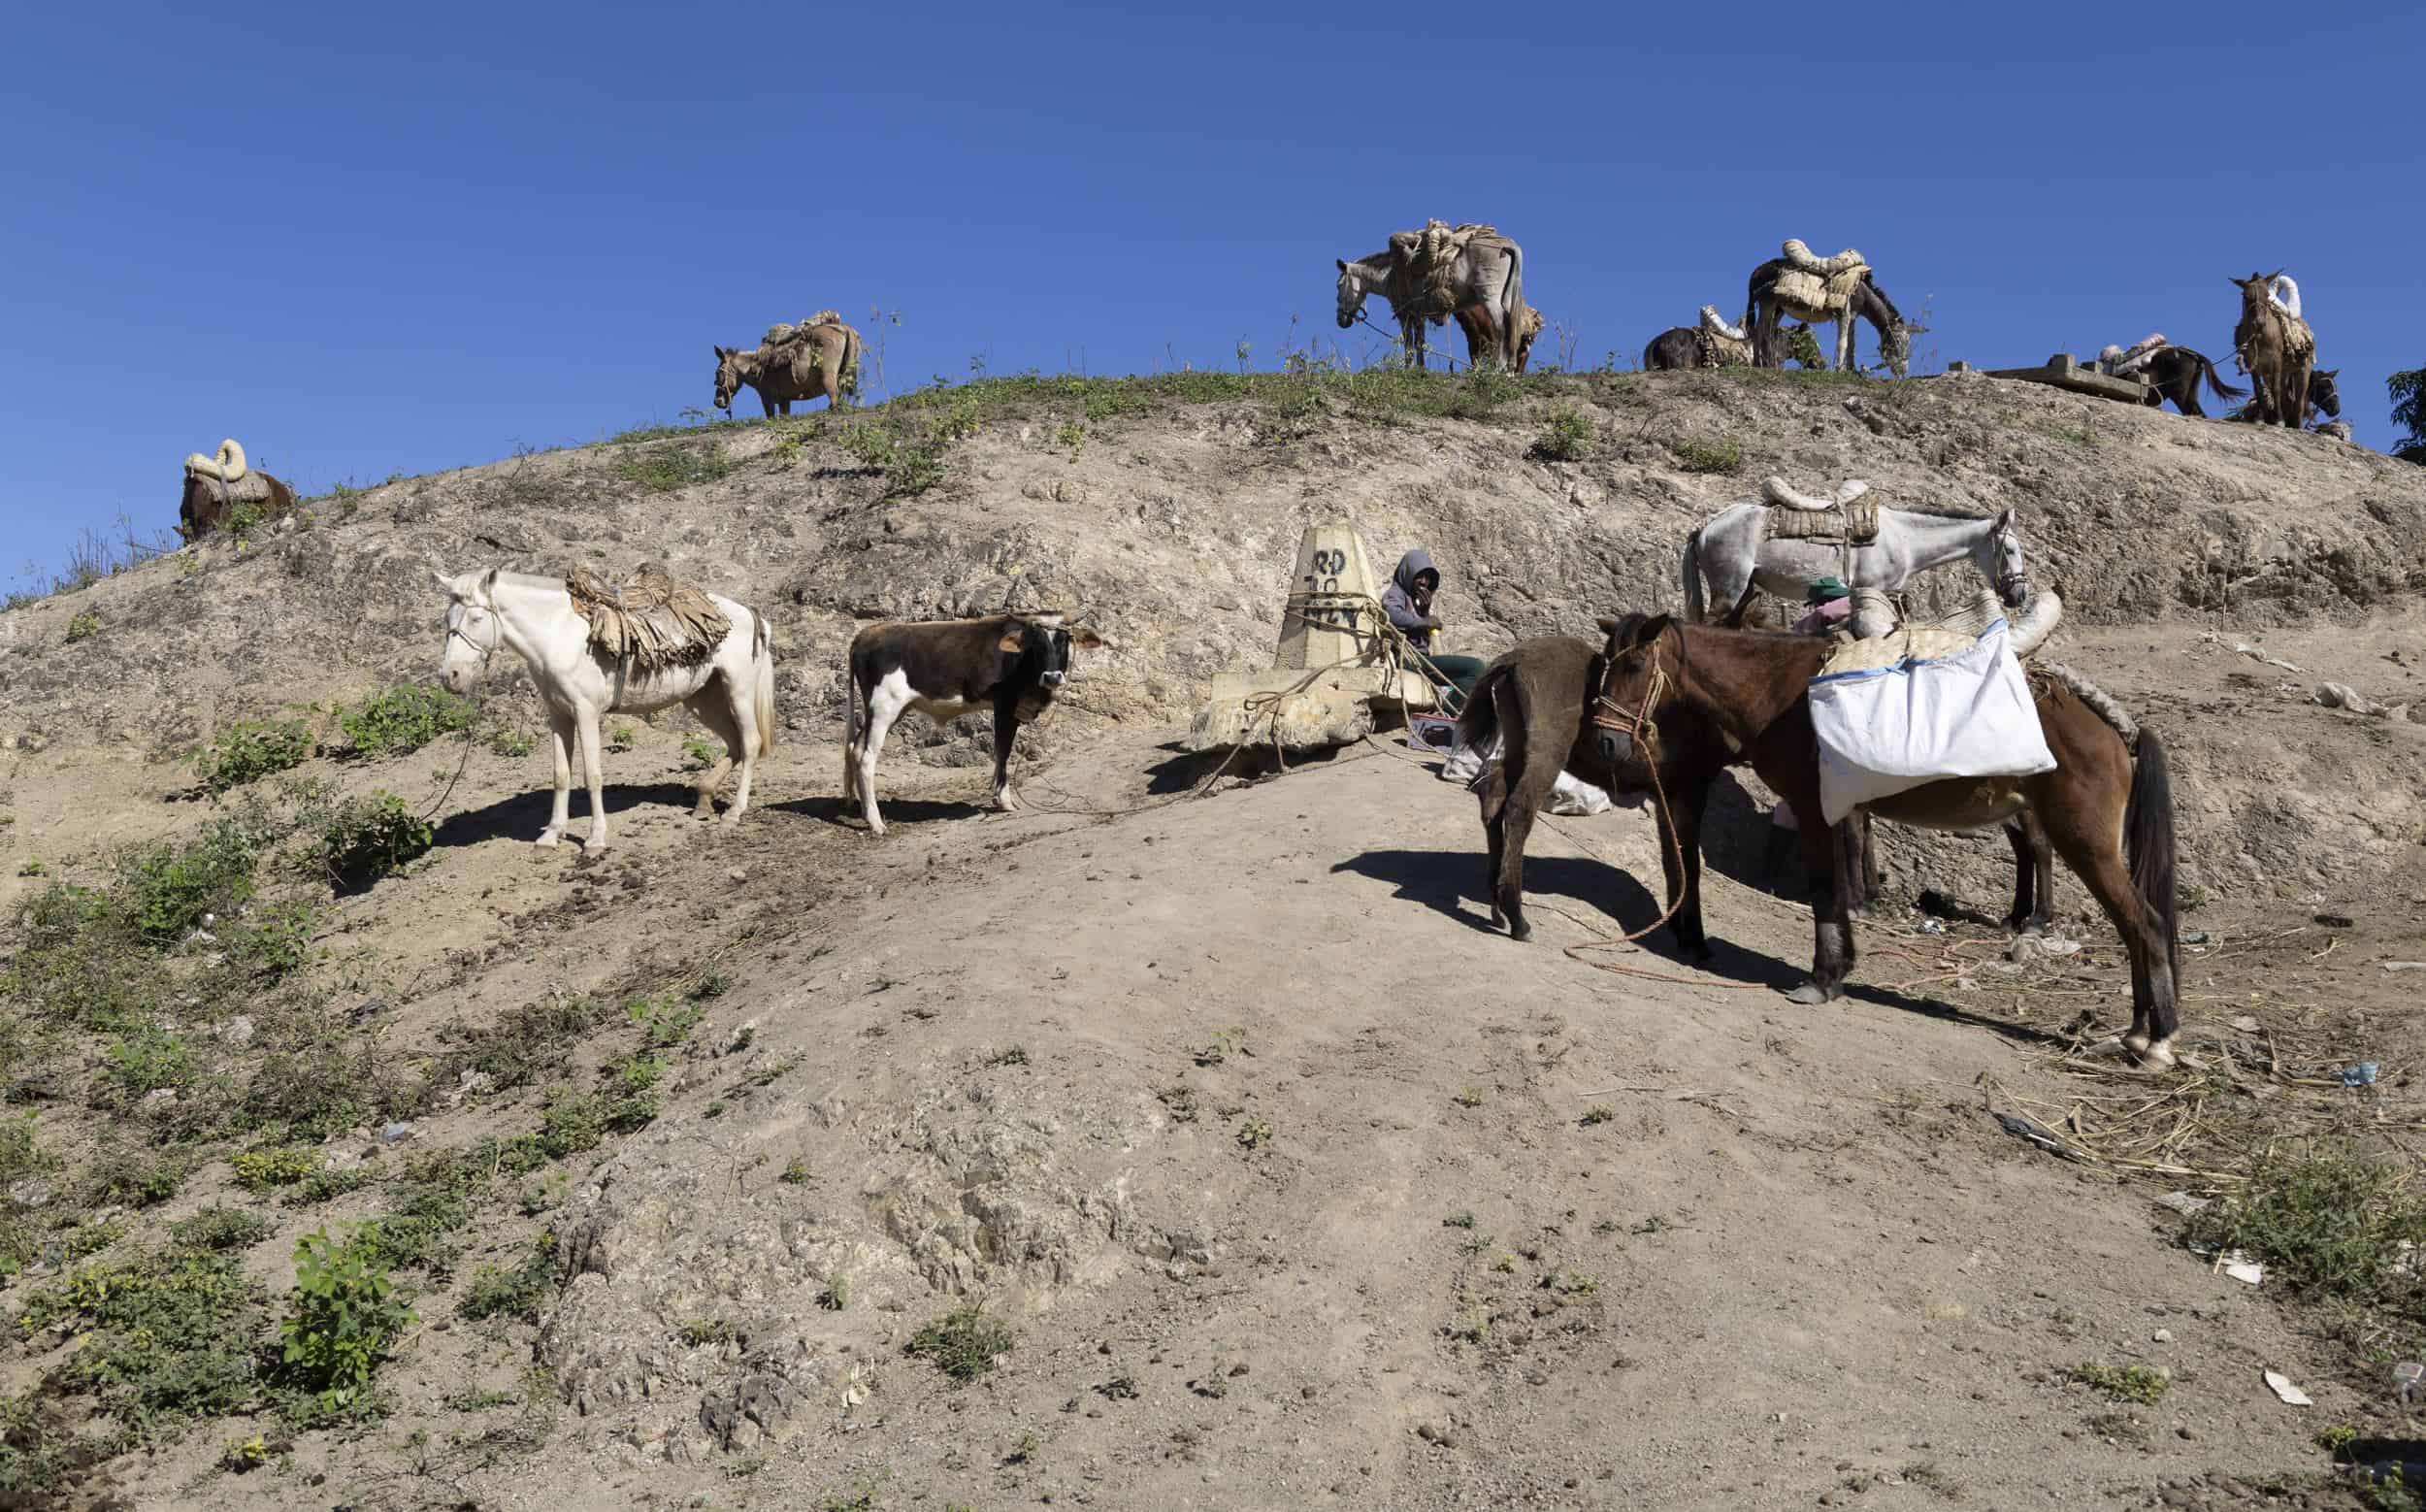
(414, 238)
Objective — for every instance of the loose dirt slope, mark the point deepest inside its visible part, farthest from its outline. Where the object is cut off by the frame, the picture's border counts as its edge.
(1292, 1183)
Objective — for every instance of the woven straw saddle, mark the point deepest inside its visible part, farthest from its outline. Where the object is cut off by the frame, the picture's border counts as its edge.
(1423, 266)
(1815, 282)
(1848, 514)
(648, 622)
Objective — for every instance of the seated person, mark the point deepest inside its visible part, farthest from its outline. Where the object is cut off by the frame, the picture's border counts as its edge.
(1408, 602)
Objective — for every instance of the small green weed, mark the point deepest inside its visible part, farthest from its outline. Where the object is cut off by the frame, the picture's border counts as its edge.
(401, 720)
(1458, 1221)
(134, 1178)
(85, 625)
(1016, 1055)
(509, 742)
(217, 1228)
(698, 1332)
(620, 738)
(248, 752)
(663, 1023)
(795, 1173)
(963, 1344)
(2126, 1383)
(1254, 1133)
(1470, 1096)
(1696, 455)
(1595, 1117)
(518, 1291)
(837, 1293)
(698, 753)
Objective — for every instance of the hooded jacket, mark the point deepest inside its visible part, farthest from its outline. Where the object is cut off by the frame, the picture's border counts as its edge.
(1398, 599)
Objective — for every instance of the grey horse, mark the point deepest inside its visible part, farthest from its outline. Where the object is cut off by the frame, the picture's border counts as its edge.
(1489, 270)
(1733, 553)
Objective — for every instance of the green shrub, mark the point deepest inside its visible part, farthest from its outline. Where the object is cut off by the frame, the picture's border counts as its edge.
(1567, 437)
(527, 1044)
(1696, 455)
(342, 1317)
(145, 1062)
(509, 742)
(248, 752)
(961, 1344)
(399, 722)
(364, 840)
(2128, 1383)
(164, 891)
(85, 625)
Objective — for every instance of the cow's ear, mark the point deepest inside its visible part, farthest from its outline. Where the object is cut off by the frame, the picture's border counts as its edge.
(1014, 641)
(1081, 635)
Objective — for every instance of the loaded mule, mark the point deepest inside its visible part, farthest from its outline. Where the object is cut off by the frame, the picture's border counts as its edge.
(947, 668)
(593, 649)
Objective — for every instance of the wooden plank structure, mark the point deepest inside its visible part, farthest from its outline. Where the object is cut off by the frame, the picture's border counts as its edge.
(2063, 371)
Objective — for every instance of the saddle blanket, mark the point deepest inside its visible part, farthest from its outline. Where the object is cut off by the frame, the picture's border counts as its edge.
(1923, 718)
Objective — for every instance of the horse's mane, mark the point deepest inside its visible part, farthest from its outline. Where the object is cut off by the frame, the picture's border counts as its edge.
(1892, 312)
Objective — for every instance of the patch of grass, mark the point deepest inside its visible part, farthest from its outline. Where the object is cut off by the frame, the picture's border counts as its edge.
(164, 1339)
(217, 1228)
(961, 1344)
(361, 840)
(342, 1317)
(698, 753)
(2330, 1223)
(322, 1186)
(84, 625)
(664, 1022)
(401, 720)
(165, 891)
(249, 751)
(685, 464)
(1566, 436)
(510, 743)
(698, 1332)
(2126, 1383)
(1254, 1133)
(519, 1291)
(527, 1046)
(1695, 454)
(795, 1173)
(133, 1178)
(280, 1166)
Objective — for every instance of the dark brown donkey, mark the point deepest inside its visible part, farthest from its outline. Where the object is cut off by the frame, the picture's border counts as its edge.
(2107, 809)
(1539, 693)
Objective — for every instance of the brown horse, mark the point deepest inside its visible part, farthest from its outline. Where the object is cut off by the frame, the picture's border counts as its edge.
(2278, 350)
(1538, 695)
(2107, 808)
(1482, 334)
(824, 359)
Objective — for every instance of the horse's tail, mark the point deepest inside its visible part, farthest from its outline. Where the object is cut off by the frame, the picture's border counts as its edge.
(852, 733)
(763, 680)
(1479, 721)
(2223, 389)
(2148, 843)
(1694, 606)
(1511, 310)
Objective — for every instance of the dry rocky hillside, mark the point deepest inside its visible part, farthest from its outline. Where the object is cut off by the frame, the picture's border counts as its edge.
(1149, 1150)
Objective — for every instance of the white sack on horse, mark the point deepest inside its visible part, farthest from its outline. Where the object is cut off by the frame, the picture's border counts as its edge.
(1908, 720)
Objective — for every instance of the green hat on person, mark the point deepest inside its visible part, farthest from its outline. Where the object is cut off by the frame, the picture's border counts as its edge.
(1827, 590)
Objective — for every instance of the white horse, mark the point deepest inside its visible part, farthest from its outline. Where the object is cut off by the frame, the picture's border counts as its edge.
(733, 692)
(1733, 552)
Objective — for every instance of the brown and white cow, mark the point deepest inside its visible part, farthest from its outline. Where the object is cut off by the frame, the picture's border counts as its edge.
(947, 668)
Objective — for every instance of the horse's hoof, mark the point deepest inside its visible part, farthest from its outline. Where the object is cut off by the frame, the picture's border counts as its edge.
(2136, 1043)
(548, 841)
(1520, 932)
(2159, 1055)
(730, 821)
(1811, 995)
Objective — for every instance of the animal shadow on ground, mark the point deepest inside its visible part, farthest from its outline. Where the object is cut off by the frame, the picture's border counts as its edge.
(522, 816)
(896, 810)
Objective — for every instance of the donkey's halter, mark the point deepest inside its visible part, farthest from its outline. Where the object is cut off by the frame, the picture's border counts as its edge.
(1638, 725)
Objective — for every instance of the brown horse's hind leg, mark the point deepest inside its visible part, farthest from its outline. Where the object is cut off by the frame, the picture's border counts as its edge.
(1515, 825)
(2082, 828)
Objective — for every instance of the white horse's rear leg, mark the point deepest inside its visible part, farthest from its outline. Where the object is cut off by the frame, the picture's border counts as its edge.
(560, 738)
(716, 712)
(594, 758)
